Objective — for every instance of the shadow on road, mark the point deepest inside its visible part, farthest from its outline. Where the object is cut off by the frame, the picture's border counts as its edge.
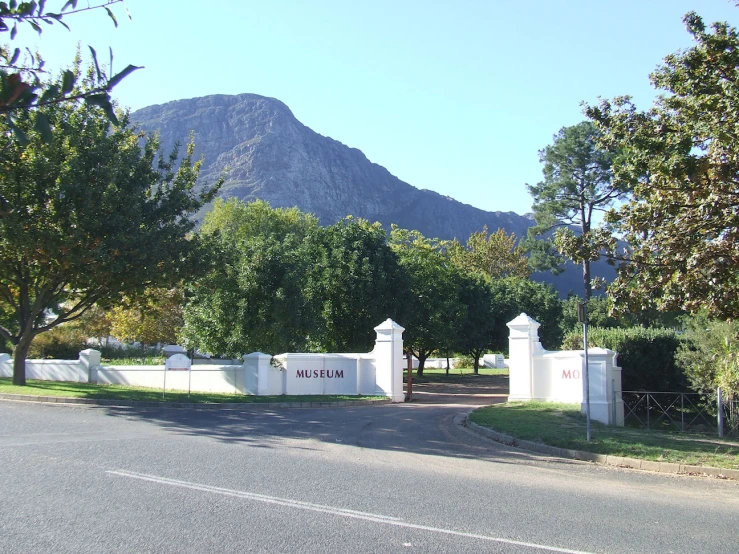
(425, 426)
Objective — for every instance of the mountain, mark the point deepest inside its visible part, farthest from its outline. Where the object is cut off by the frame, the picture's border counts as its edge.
(266, 153)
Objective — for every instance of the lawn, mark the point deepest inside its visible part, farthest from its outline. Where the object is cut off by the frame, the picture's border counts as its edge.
(563, 425)
(120, 392)
(455, 375)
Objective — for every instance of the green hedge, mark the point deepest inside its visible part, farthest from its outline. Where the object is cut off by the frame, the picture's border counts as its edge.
(646, 356)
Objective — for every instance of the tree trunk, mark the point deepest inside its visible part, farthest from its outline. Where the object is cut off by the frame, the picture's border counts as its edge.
(19, 360)
(586, 280)
(447, 365)
(476, 363)
(421, 361)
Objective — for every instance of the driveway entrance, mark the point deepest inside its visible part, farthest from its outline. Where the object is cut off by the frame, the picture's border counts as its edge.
(465, 390)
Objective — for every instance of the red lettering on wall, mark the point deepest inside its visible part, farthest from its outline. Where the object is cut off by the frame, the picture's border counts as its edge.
(323, 373)
(570, 374)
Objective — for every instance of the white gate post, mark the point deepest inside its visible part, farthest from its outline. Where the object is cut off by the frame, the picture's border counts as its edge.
(388, 354)
(522, 342)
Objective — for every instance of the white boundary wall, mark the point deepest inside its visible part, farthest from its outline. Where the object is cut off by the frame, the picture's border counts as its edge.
(538, 374)
(378, 373)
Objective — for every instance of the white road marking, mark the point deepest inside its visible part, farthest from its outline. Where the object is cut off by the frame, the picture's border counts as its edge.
(376, 518)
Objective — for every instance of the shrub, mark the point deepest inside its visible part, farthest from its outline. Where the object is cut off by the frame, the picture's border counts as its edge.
(646, 356)
(710, 358)
(60, 343)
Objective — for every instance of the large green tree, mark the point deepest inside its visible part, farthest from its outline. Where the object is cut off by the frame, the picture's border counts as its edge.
(476, 328)
(354, 282)
(93, 213)
(254, 297)
(681, 157)
(577, 185)
(514, 295)
(494, 255)
(431, 307)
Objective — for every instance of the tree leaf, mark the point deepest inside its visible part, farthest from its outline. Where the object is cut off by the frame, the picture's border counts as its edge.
(43, 126)
(112, 16)
(115, 79)
(95, 61)
(68, 80)
(50, 93)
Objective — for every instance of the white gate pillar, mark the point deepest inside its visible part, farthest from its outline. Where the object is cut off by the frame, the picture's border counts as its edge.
(388, 354)
(523, 341)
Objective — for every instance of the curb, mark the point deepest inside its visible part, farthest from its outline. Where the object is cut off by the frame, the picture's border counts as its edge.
(180, 405)
(602, 459)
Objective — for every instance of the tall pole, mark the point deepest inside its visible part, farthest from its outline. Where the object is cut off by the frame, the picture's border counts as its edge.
(409, 388)
(583, 314)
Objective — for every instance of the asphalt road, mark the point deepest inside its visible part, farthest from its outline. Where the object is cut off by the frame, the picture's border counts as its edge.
(388, 478)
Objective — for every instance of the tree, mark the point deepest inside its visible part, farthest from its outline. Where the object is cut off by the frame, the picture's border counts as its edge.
(155, 316)
(476, 328)
(577, 184)
(253, 296)
(431, 307)
(354, 283)
(95, 323)
(514, 295)
(492, 254)
(710, 355)
(21, 84)
(92, 214)
(682, 159)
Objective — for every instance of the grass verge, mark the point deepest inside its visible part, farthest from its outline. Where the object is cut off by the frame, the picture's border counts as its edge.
(563, 425)
(121, 392)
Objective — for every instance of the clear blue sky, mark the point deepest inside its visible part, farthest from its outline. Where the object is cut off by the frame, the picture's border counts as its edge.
(453, 96)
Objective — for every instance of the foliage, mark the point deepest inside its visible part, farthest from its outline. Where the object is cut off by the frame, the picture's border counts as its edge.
(681, 158)
(116, 353)
(155, 316)
(21, 85)
(60, 343)
(355, 282)
(647, 357)
(431, 308)
(92, 214)
(494, 255)
(710, 358)
(475, 330)
(599, 314)
(95, 323)
(253, 297)
(512, 296)
(577, 184)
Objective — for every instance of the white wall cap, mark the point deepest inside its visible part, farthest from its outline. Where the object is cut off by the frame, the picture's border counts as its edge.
(88, 351)
(259, 355)
(389, 325)
(174, 349)
(523, 320)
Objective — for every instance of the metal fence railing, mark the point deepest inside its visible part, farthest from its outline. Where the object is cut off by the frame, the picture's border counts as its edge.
(731, 417)
(673, 411)
(679, 411)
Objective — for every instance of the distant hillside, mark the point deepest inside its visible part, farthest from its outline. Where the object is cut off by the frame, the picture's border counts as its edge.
(266, 153)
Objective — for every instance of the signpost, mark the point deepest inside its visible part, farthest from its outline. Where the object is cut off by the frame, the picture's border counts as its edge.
(582, 316)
